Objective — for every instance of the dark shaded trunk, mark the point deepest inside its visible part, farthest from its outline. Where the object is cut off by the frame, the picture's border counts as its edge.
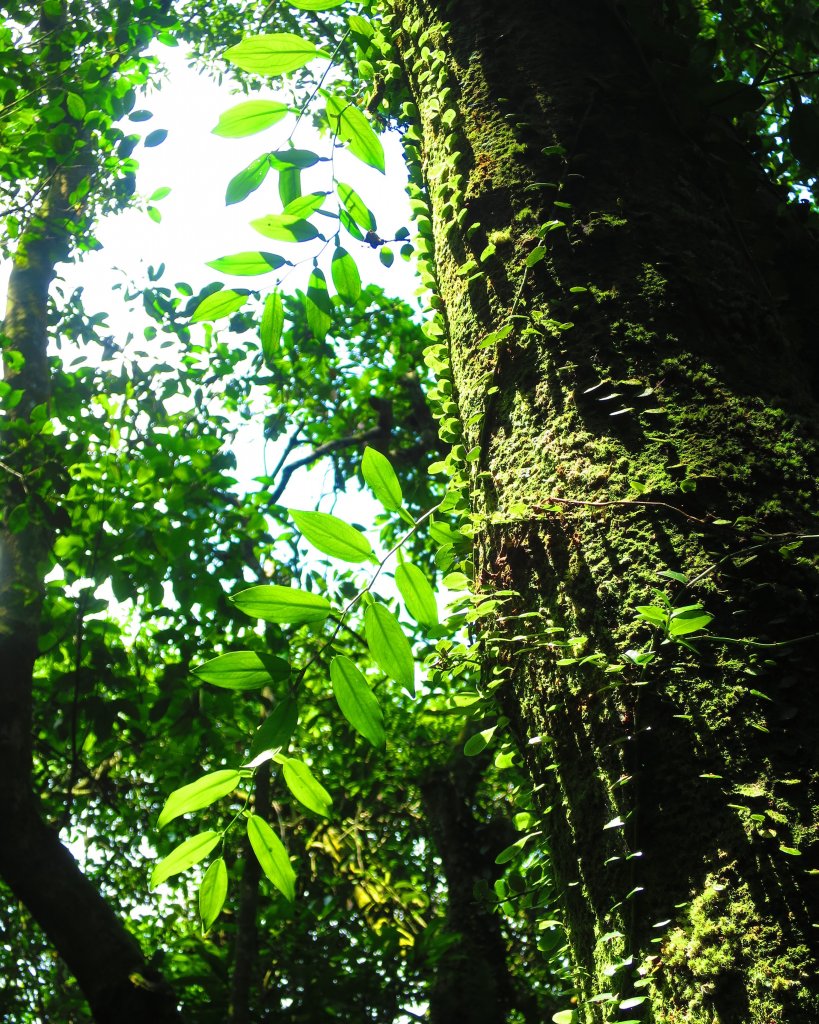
(651, 410)
(471, 982)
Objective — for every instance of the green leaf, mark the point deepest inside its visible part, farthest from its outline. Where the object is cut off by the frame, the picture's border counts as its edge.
(388, 646)
(271, 328)
(250, 117)
(155, 138)
(479, 742)
(196, 795)
(212, 893)
(355, 206)
(316, 5)
(345, 275)
(381, 479)
(357, 701)
(272, 856)
(386, 255)
(318, 306)
(246, 264)
(160, 193)
(688, 620)
(629, 1004)
(281, 159)
(419, 597)
(652, 613)
(350, 225)
(303, 206)
(218, 305)
(353, 129)
(273, 54)
(284, 228)
(190, 852)
(277, 729)
(289, 184)
(248, 180)
(564, 1017)
(243, 670)
(75, 105)
(306, 788)
(333, 536)
(282, 604)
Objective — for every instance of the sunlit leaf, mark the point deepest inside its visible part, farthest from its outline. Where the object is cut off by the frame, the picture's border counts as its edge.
(212, 893)
(243, 670)
(270, 331)
(250, 117)
(356, 700)
(284, 228)
(277, 729)
(316, 5)
(333, 536)
(318, 306)
(345, 275)
(289, 184)
(419, 597)
(248, 180)
(186, 854)
(303, 206)
(688, 620)
(246, 264)
(196, 795)
(282, 604)
(218, 305)
(381, 479)
(356, 207)
(479, 742)
(353, 129)
(305, 787)
(273, 54)
(75, 105)
(272, 856)
(389, 646)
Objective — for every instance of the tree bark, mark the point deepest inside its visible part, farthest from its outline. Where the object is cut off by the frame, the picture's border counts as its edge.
(651, 410)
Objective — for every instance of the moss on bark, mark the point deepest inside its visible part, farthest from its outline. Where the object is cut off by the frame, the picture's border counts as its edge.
(651, 410)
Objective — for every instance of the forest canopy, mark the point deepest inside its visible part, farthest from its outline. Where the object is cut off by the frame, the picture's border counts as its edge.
(527, 733)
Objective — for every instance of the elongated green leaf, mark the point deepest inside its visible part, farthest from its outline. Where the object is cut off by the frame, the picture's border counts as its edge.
(281, 159)
(353, 129)
(316, 5)
(249, 117)
(75, 105)
(356, 207)
(356, 700)
(272, 856)
(350, 225)
(306, 788)
(389, 647)
(156, 138)
(333, 536)
(190, 852)
(271, 328)
(243, 670)
(196, 795)
(282, 604)
(247, 264)
(273, 54)
(212, 893)
(688, 620)
(381, 479)
(218, 305)
(318, 306)
(345, 275)
(289, 184)
(284, 228)
(303, 206)
(277, 729)
(248, 180)
(419, 597)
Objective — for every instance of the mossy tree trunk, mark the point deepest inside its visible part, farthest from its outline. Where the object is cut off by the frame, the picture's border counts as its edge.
(651, 411)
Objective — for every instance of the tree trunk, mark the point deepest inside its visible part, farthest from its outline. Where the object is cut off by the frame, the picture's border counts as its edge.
(650, 411)
(106, 960)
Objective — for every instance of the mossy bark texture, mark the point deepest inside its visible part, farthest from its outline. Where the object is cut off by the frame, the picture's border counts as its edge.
(651, 411)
